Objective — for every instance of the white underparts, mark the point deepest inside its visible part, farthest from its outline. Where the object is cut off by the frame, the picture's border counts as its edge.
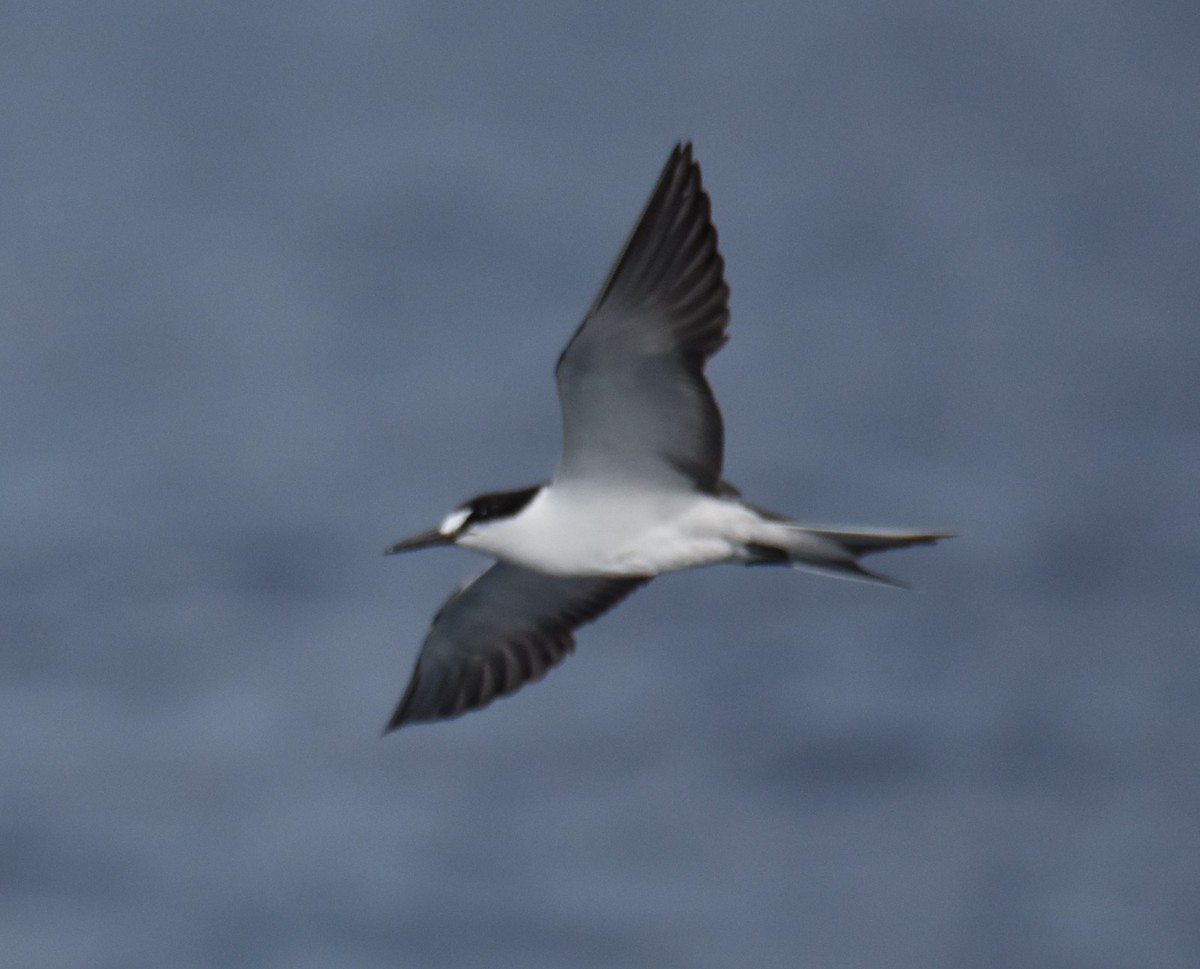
(607, 531)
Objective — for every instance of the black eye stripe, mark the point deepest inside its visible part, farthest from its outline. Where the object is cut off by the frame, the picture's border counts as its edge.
(500, 504)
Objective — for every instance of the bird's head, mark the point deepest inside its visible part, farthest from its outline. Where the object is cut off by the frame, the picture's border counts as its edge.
(466, 518)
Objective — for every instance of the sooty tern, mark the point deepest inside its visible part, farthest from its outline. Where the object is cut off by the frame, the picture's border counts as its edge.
(638, 488)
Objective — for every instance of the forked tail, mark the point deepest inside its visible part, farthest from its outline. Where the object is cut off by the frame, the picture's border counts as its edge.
(836, 551)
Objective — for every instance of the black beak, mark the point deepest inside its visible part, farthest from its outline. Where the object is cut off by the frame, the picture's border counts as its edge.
(423, 540)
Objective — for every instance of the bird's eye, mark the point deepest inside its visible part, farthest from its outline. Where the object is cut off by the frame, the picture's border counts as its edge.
(454, 521)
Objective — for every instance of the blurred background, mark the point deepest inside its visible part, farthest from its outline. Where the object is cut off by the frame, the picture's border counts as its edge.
(281, 283)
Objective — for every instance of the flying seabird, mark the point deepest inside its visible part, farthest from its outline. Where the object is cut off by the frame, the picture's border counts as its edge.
(638, 488)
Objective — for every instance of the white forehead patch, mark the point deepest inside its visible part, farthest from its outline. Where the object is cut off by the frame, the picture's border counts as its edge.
(454, 521)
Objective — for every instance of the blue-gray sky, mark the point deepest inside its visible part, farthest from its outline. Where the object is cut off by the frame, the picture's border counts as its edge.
(281, 283)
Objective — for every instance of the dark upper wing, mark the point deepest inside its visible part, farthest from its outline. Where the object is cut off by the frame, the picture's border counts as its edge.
(502, 630)
(635, 404)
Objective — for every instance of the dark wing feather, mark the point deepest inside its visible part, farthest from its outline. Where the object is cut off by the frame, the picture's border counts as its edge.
(636, 406)
(504, 629)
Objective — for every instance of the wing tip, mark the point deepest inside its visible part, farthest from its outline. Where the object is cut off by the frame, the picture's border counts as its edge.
(402, 714)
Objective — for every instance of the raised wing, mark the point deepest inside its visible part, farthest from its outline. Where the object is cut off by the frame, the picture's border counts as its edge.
(502, 630)
(635, 405)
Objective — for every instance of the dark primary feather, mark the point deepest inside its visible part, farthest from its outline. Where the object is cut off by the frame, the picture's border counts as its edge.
(636, 405)
(504, 629)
